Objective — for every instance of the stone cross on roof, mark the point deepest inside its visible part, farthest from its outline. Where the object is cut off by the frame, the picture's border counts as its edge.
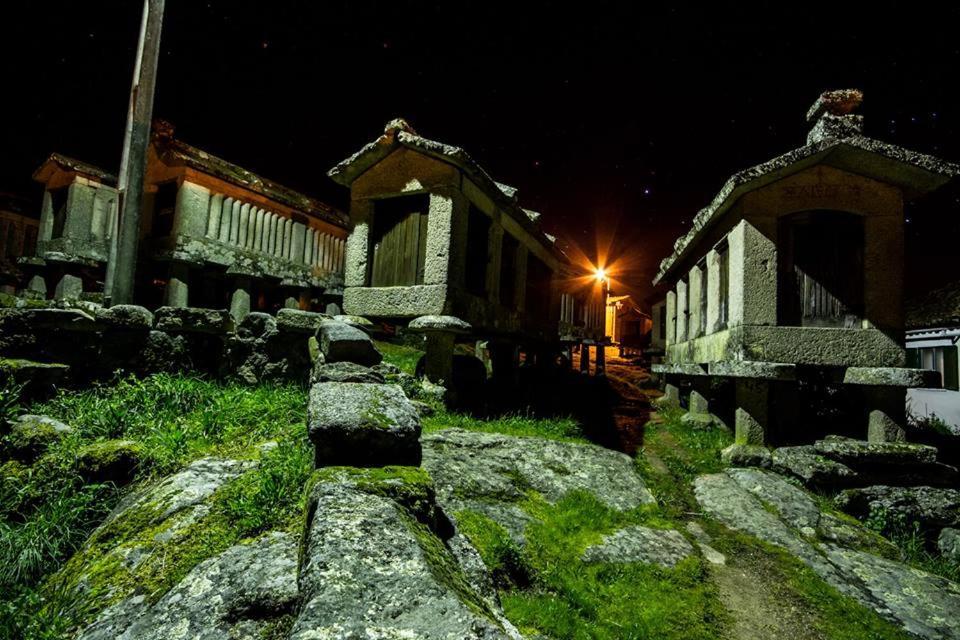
(832, 115)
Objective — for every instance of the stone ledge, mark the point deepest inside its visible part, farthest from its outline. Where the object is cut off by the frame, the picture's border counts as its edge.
(753, 369)
(678, 368)
(892, 377)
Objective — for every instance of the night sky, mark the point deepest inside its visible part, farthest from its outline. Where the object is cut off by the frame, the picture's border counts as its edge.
(616, 121)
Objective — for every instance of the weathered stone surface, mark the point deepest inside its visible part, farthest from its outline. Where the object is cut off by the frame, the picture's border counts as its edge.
(948, 543)
(193, 320)
(745, 455)
(355, 321)
(345, 372)
(257, 324)
(239, 593)
(932, 507)
(165, 352)
(184, 490)
(30, 436)
(371, 571)
(109, 461)
(298, 321)
(340, 342)
(811, 468)
(768, 507)
(363, 425)
(450, 324)
(859, 453)
(40, 379)
(891, 377)
(665, 547)
(489, 473)
(128, 317)
(923, 603)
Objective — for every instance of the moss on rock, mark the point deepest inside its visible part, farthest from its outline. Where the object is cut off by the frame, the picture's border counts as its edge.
(109, 461)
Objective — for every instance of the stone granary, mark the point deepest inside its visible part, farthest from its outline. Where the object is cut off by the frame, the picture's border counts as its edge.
(436, 243)
(212, 234)
(786, 295)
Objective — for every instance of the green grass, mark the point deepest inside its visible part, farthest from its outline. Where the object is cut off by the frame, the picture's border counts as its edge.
(47, 511)
(911, 541)
(547, 589)
(566, 429)
(399, 355)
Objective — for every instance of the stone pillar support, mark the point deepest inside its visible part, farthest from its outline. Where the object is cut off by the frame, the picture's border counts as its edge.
(671, 395)
(584, 358)
(69, 287)
(504, 362)
(240, 299)
(887, 414)
(698, 407)
(601, 359)
(753, 411)
(177, 293)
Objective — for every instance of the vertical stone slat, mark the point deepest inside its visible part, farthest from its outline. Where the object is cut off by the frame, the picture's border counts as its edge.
(213, 216)
(235, 223)
(258, 233)
(244, 224)
(226, 216)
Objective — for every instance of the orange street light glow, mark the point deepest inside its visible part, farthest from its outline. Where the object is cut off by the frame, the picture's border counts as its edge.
(601, 274)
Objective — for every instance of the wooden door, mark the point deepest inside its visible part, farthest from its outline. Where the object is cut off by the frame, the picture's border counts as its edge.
(399, 241)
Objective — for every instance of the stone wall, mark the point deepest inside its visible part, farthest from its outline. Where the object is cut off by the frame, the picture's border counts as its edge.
(96, 342)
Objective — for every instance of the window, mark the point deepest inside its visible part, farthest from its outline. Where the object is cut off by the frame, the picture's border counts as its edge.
(821, 269)
(478, 243)
(508, 270)
(399, 241)
(58, 202)
(164, 208)
(723, 269)
(940, 359)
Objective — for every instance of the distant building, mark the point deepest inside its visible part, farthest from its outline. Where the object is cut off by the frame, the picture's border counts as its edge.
(933, 333)
(18, 237)
(787, 291)
(212, 234)
(627, 325)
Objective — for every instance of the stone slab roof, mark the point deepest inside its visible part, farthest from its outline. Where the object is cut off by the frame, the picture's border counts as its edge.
(176, 152)
(939, 308)
(915, 173)
(67, 163)
(398, 133)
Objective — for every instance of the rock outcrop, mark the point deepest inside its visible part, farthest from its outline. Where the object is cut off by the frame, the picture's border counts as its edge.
(490, 473)
(766, 506)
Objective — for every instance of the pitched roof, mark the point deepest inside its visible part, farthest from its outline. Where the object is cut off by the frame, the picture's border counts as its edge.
(70, 164)
(398, 133)
(176, 152)
(935, 309)
(915, 173)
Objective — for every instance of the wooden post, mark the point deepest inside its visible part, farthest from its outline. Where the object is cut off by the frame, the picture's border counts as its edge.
(133, 166)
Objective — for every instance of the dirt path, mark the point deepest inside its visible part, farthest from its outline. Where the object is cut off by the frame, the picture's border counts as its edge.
(749, 586)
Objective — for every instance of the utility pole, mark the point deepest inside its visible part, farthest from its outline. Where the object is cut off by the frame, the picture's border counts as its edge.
(125, 239)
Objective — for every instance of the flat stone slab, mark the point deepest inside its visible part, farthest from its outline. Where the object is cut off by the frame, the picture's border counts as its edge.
(193, 320)
(754, 369)
(448, 324)
(679, 369)
(664, 547)
(892, 377)
(66, 319)
(363, 425)
(856, 453)
(491, 473)
(811, 468)
(298, 321)
(340, 342)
